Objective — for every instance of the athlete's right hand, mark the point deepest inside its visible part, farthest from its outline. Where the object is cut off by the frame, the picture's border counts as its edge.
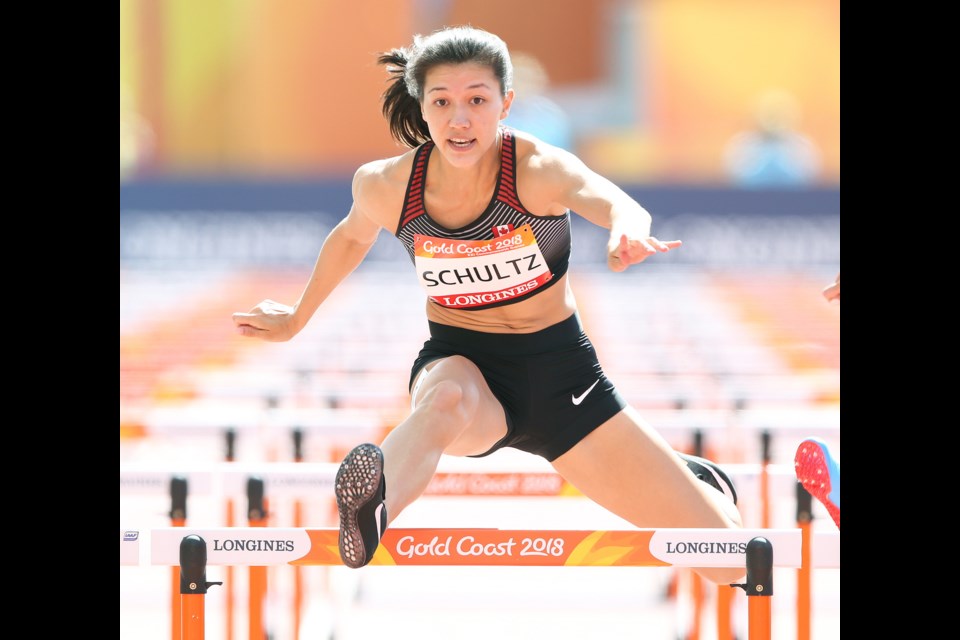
(269, 320)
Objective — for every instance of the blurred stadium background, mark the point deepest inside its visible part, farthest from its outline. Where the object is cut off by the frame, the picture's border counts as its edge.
(241, 123)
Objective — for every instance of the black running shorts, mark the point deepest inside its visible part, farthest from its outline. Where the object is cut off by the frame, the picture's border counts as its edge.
(549, 382)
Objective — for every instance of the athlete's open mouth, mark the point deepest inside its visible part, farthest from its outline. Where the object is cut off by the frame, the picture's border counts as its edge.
(461, 143)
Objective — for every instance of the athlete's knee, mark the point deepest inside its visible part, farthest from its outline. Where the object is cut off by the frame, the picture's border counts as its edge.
(451, 400)
(444, 395)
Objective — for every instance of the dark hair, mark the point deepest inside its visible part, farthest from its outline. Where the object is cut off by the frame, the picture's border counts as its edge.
(408, 68)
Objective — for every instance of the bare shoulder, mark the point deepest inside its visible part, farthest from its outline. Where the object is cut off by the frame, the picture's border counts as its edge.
(534, 153)
(545, 173)
(380, 185)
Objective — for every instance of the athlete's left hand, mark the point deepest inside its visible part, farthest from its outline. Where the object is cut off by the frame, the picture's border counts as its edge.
(635, 250)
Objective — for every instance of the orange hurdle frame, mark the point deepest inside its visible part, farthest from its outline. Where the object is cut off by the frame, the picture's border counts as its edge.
(452, 483)
(758, 586)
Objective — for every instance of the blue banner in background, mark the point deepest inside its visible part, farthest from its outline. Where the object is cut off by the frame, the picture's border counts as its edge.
(228, 223)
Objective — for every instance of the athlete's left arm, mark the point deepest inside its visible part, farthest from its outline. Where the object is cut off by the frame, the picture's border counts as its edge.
(587, 193)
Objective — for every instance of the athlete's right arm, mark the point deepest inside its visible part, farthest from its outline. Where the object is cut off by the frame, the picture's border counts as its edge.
(343, 250)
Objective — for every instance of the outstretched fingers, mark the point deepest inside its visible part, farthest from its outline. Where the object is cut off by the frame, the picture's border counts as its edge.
(636, 250)
(268, 320)
(246, 324)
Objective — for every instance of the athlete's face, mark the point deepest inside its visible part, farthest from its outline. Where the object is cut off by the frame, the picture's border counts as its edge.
(463, 108)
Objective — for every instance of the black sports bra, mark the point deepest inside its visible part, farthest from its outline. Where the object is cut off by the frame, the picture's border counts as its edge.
(505, 255)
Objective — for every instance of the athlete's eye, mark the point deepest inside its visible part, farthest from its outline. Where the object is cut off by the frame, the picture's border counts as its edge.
(477, 100)
(440, 102)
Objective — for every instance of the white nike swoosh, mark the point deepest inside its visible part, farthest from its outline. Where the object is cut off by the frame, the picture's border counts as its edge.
(376, 515)
(578, 399)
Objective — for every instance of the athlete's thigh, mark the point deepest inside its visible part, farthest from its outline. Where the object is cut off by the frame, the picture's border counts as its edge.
(486, 423)
(629, 468)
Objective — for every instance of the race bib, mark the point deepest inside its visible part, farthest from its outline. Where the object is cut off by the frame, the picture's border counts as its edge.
(460, 274)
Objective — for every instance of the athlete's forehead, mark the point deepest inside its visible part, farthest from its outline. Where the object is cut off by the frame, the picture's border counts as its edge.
(461, 77)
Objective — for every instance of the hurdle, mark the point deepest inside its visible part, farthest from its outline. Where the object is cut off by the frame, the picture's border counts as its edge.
(299, 480)
(757, 550)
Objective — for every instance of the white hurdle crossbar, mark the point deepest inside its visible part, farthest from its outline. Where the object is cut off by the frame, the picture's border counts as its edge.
(308, 480)
(269, 546)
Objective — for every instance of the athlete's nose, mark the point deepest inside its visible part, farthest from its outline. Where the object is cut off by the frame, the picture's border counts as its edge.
(460, 119)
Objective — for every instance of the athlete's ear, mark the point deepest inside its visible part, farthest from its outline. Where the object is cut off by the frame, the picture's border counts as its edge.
(507, 101)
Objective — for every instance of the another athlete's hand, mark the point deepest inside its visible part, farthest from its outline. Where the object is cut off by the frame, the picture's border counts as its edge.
(634, 250)
(269, 320)
(832, 292)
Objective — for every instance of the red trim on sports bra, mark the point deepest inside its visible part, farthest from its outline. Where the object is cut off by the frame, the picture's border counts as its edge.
(413, 206)
(507, 193)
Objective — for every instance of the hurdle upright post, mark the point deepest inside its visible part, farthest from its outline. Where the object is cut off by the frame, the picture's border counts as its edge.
(725, 594)
(230, 456)
(804, 573)
(696, 582)
(759, 587)
(765, 479)
(698, 448)
(297, 522)
(193, 587)
(257, 587)
(178, 518)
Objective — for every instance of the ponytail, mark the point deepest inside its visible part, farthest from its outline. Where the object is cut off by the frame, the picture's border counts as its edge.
(400, 108)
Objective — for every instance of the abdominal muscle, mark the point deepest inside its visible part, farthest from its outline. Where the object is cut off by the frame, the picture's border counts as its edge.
(546, 308)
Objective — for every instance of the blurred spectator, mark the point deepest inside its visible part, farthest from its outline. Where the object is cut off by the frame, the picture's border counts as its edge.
(533, 111)
(774, 152)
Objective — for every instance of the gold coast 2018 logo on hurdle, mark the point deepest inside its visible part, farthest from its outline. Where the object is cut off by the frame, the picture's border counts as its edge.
(469, 545)
(257, 546)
